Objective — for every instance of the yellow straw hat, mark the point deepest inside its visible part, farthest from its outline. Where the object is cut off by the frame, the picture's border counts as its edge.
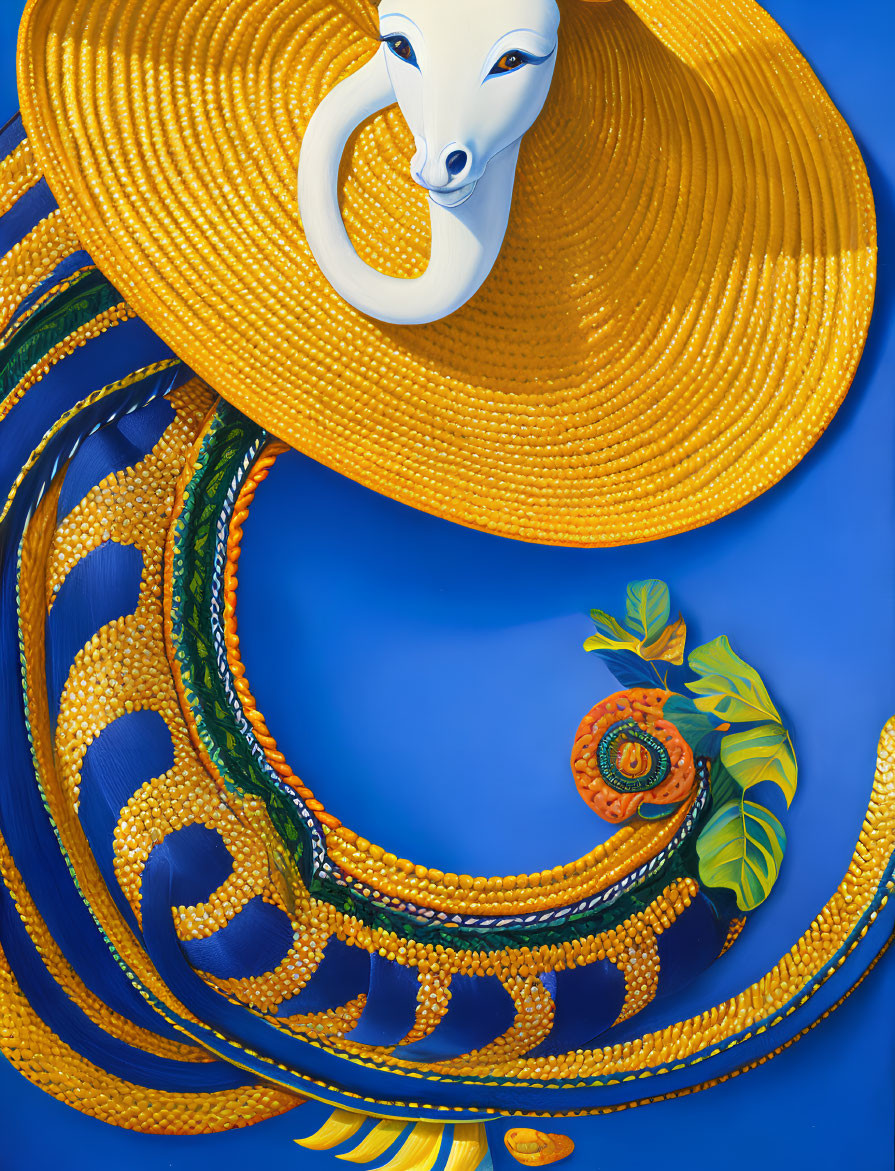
(676, 314)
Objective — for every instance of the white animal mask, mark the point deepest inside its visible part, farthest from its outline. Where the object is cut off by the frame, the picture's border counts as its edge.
(470, 78)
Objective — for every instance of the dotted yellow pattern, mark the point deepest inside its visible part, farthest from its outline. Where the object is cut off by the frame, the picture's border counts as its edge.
(31, 260)
(21, 316)
(92, 398)
(124, 669)
(103, 321)
(334, 1022)
(375, 868)
(61, 971)
(516, 968)
(676, 314)
(709, 1083)
(433, 999)
(268, 992)
(641, 972)
(733, 933)
(19, 172)
(531, 1025)
(183, 796)
(47, 1062)
(25, 1040)
(34, 552)
(632, 946)
(71, 836)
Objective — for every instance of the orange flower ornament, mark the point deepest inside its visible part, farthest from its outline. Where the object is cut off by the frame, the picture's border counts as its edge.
(626, 753)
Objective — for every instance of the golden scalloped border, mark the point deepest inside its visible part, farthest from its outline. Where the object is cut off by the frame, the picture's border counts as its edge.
(628, 849)
(770, 995)
(757, 1009)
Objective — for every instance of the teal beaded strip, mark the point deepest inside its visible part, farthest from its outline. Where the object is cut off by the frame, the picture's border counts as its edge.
(607, 754)
(225, 455)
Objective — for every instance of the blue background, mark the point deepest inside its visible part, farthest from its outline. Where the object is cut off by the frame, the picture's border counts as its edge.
(392, 620)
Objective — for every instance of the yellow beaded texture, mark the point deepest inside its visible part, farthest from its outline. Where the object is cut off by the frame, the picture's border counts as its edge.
(677, 312)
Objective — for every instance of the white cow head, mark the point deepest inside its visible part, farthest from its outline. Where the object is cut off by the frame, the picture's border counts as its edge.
(470, 77)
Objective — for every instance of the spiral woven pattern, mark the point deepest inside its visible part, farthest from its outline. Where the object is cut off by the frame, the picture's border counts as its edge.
(612, 779)
(676, 314)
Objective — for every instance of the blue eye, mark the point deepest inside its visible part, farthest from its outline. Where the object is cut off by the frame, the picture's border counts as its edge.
(401, 47)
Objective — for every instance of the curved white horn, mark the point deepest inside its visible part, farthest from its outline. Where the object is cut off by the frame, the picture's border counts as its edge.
(466, 239)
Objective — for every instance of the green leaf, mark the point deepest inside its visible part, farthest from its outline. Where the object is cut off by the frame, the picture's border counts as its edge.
(647, 608)
(690, 722)
(628, 668)
(611, 635)
(669, 646)
(762, 754)
(724, 787)
(741, 848)
(729, 686)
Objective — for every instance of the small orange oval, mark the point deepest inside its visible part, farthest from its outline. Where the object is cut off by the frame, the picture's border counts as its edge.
(535, 1148)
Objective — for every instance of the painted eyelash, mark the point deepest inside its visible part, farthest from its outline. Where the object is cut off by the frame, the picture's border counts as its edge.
(527, 59)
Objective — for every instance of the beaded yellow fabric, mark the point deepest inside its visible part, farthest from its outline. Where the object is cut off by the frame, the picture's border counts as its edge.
(125, 666)
(629, 847)
(25, 1039)
(677, 312)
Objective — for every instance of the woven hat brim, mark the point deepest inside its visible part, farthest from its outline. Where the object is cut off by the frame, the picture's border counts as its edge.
(677, 312)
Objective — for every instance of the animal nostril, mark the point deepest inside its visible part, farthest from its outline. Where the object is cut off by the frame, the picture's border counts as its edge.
(455, 162)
